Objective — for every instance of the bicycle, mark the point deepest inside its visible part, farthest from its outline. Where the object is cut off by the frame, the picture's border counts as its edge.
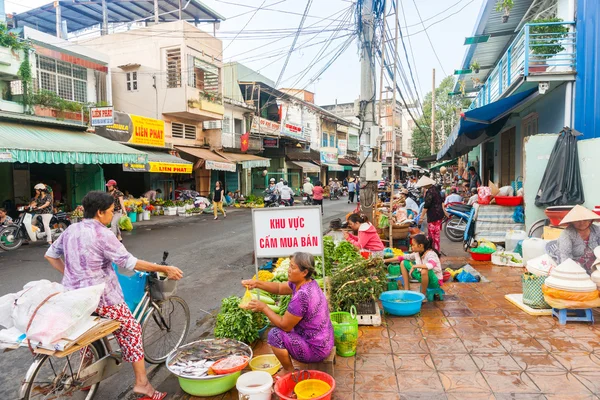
(70, 374)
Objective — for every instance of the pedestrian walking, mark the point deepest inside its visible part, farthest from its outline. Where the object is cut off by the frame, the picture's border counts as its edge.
(218, 196)
(351, 190)
(318, 195)
(357, 181)
(433, 207)
(118, 197)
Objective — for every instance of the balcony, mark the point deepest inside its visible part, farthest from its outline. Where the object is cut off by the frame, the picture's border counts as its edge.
(540, 52)
(10, 61)
(193, 104)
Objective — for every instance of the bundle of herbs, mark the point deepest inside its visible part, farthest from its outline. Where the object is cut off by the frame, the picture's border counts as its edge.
(236, 323)
(345, 253)
(358, 282)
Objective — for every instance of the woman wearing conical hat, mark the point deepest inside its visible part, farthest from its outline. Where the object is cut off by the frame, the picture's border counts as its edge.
(580, 238)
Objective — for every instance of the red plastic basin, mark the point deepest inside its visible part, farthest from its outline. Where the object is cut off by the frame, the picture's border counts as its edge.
(557, 213)
(284, 387)
(481, 256)
(509, 201)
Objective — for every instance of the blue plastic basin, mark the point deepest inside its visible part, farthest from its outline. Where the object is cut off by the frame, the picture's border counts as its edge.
(401, 302)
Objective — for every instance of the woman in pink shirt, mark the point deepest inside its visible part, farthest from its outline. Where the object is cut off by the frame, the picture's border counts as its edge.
(367, 238)
(318, 195)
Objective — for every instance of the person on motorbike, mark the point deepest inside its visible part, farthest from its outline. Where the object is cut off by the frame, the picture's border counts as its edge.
(84, 254)
(287, 194)
(43, 205)
(453, 198)
(272, 186)
(307, 188)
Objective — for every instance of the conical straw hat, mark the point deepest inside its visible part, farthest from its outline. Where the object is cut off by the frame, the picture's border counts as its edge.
(579, 213)
(425, 181)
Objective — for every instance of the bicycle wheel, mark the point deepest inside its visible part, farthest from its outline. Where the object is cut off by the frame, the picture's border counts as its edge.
(56, 378)
(454, 229)
(537, 228)
(10, 238)
(165, 328)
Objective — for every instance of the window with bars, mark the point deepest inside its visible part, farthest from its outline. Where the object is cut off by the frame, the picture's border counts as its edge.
(132, 81)
(67, 80)
(173, 57)
(183, 131)
(203, 76)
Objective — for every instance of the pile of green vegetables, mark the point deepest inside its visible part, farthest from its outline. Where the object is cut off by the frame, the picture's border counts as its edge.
(358, 282)
(236, 323)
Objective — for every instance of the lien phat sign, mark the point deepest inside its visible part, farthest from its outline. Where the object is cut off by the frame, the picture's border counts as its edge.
(280, 232)
(102, 116)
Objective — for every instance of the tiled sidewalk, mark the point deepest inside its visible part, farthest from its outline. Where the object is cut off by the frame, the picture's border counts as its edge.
(473, 345)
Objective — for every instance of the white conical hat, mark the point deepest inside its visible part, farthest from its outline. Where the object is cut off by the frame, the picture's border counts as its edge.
(579, 213)
(425, 181)
(570, 276)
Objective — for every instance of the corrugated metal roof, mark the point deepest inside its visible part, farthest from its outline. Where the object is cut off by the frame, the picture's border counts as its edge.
(487, 54)
(160, 156)
(34, 119)
(85, 14)
(203, 154)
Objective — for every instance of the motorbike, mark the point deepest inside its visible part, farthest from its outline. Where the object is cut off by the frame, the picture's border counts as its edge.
(335, 194)
(307, 199)
(271, 199)
(455, 226)
(13, 235)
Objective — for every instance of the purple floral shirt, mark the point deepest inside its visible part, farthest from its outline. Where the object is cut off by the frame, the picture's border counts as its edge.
(89, 249)
(315, 327)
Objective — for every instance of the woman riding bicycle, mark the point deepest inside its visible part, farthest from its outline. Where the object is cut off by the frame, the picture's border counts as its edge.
(84, 253)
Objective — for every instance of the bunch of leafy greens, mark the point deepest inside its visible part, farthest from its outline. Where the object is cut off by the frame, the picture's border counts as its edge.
(359, 282)
(236, 323)
(345, 253)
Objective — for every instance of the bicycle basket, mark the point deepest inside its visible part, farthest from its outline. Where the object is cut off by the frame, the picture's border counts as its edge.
(162, 289)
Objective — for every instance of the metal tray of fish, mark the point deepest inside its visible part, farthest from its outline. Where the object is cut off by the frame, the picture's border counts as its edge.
(192, 361)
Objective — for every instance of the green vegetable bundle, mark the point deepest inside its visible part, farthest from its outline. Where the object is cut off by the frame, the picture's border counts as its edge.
(236, 323)
(360, 281)
(345, 253)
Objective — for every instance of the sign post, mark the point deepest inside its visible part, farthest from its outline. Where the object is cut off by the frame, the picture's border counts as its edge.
(282, 231)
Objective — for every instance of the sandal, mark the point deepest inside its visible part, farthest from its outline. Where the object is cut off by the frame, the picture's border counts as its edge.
(156, 396)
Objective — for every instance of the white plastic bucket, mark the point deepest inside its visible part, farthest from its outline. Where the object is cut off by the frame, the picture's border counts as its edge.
(532, 248)
(255, 385)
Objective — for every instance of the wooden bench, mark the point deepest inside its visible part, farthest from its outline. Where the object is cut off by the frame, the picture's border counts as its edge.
(327, 365)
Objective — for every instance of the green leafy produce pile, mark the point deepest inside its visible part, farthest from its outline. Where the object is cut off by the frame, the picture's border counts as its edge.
(345, 253)
(284, 302)
(236, 323)
(360, 281)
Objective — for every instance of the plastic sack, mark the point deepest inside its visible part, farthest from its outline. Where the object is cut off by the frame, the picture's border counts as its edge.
(484, 195)
(506, 191)
(466, 277)
(384, 222)
(571, 296)
(30, 298)
(519, 215)
(60, 316)
(561, 184)
(125, 223)
(246, 299)
(6, 305)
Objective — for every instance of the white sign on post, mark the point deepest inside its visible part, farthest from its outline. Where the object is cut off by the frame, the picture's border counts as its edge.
(282, 231)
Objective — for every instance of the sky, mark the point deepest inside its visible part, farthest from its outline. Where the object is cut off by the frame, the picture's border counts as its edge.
(259, 34)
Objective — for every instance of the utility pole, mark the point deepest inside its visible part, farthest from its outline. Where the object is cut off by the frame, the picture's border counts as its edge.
(433, 113)
(368, 191)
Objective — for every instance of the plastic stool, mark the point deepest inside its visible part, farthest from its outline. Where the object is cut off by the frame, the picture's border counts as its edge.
(580, 315)
(431, 293)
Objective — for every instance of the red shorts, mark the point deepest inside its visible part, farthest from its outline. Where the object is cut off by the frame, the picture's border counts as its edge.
(129, 335)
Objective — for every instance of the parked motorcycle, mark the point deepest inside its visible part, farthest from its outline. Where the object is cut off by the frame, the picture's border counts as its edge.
(335, 194)
(13, 235)
(455, 226)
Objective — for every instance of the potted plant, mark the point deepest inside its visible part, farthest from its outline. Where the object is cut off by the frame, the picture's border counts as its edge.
(506, 6)
(545, 42)
(180, 207)
(147, 211)
(140, 212)
(462, 87)
(130, 210)
(171, 208)
(475, 66)
(476, 83)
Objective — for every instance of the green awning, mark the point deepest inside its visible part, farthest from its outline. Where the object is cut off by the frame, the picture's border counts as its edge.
(443, 164)
(40, 144)
(162, 157)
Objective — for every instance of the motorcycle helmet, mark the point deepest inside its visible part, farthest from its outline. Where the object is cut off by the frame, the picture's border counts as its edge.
(40, 186)
(285, 183)
(272, 180)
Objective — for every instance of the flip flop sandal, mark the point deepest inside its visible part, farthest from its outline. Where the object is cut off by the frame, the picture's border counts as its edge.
(156, 396)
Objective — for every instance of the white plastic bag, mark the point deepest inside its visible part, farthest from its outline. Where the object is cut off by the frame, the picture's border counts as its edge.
(60, 315)
(506, 191)
(29, 298)
(6, 306)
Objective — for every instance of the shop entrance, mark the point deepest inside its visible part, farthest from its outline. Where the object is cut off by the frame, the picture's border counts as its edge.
(230, 180)
(507, 157)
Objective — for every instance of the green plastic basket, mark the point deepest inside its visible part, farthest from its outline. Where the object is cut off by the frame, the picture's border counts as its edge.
(345, 331)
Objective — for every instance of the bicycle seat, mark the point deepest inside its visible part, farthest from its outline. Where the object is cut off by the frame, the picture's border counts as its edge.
(461, 207)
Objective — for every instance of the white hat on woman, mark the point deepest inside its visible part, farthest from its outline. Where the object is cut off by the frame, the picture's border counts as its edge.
(425, 181)
(40, 186)
(579, 213)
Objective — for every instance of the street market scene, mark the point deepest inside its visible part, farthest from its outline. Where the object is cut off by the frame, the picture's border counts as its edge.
(351, 199)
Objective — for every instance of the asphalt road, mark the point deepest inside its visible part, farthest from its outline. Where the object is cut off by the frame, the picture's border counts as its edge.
(214, 256)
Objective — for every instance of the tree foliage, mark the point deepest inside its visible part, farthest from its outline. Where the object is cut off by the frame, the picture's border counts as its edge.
(447, 109)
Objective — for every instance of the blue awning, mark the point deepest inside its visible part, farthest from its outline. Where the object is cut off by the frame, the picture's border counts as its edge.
(475, 126)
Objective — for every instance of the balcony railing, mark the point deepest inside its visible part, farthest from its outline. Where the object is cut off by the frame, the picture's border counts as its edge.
(538, 49)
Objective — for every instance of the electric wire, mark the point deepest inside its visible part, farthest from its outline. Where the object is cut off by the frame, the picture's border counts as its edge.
(251, 18)
(412, 55)
(429, 39)
(406, 54)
